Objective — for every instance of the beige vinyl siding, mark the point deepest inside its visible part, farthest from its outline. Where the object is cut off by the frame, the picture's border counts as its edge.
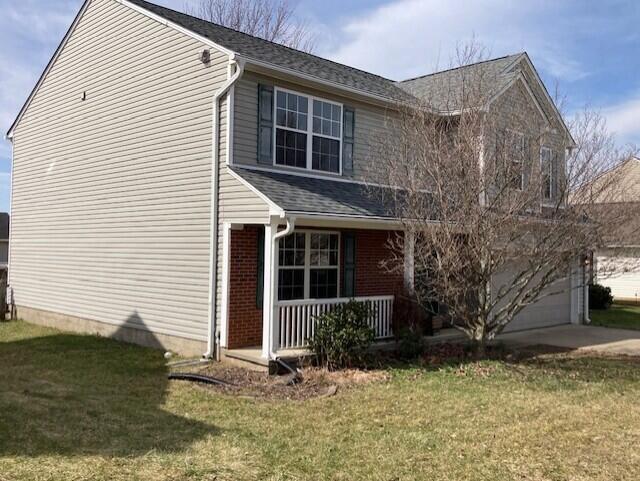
(238, 204)
(619, 269)
(112, 195)
(370, 121)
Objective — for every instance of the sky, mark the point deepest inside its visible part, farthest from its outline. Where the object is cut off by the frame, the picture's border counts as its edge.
(588, 50)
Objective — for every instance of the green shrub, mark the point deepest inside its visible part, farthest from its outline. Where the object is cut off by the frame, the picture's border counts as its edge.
(410, 343)
(600, 297)
(343, 335)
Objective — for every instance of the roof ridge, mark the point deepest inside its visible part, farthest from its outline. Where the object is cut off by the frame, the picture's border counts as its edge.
(461, 67)
(265, 40)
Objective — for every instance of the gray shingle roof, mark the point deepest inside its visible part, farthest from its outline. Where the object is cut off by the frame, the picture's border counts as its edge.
(295, 193)
(258, 49)
(442, 90)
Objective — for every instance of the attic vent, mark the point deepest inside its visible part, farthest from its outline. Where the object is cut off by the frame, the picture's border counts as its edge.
(205, 56)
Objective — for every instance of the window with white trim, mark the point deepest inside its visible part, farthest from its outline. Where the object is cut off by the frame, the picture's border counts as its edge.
(304, 143)
(517, 150)
(308, 266)
(546, 168)
(291, 266)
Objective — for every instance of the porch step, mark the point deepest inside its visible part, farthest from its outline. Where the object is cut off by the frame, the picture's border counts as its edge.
(249, 358)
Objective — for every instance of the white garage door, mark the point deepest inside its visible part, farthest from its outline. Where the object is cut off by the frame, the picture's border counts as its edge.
(548, 311)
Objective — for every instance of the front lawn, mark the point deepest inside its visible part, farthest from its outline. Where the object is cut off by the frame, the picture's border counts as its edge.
(80, 407)
(618, 315)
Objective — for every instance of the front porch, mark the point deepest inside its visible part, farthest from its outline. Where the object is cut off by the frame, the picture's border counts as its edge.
(277, 279)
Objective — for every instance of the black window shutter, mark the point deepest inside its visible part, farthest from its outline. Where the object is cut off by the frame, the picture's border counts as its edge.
(348, 134)
(260, 270)
(265, 124)
(349, 270)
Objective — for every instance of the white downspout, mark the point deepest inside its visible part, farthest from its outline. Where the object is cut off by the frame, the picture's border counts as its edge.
(215, 173)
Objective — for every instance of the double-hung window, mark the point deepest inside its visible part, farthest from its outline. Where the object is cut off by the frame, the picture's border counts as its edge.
(546, 168)
(517, 149)
(308, 133)
(308, 266)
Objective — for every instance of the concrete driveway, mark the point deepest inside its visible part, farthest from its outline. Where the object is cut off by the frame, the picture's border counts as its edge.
(592, 338)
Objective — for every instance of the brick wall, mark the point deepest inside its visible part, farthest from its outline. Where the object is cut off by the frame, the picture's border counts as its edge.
(245, 318)
(371, 278)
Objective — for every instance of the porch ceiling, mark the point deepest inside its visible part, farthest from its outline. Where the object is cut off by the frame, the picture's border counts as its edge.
(297, 194)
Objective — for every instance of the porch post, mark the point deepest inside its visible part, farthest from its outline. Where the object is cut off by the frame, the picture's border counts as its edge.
(270, 323)
(224, 307)
(409, 260)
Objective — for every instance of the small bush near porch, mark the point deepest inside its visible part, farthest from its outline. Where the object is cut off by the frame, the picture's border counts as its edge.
(81, 407)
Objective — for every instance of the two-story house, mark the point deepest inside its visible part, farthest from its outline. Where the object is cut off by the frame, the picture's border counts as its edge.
(178, 183)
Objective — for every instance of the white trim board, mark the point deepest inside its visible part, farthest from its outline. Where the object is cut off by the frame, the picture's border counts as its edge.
(308, 132)
(72, 28)
(274, 208)
(548, 97)
(526, 86)
(224, 302)
(47, 69)
(175, 26)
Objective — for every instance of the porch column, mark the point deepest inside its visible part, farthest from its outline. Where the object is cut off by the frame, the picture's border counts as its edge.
(224, 306)
(270, 322)
(409, 260)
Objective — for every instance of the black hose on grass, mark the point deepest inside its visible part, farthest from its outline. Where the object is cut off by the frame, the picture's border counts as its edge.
(186, 376)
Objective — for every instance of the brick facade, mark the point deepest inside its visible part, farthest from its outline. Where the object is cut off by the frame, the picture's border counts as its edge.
(372, 247)
(245, 318)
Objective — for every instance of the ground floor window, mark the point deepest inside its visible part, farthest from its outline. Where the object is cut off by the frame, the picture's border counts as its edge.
(308, 266)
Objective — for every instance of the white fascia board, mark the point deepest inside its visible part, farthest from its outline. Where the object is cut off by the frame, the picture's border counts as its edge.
(549, 99)
(274, 209)
(177, 27)
(47, 69)
(511, 83)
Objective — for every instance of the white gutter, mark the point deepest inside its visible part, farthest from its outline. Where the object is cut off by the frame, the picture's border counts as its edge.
(215, 173)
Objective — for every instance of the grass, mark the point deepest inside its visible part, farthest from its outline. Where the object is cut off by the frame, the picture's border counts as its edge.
(80, 407)
(618, 315)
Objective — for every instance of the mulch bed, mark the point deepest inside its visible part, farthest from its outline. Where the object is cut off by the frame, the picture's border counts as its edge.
(313, 383)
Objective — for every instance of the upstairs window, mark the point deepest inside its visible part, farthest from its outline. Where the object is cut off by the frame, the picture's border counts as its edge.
(307, 140)
(546, 169)
(517, 150)
(291, 134)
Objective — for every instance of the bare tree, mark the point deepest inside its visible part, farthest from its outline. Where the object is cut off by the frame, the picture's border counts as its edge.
(485, 187)
(273, 20)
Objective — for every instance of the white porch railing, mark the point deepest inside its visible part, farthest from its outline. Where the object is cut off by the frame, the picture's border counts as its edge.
(297, 318)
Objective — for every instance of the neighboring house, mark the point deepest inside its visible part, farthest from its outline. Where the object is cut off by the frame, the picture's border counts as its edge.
(618, 265)
(4, 241)
(178, 183)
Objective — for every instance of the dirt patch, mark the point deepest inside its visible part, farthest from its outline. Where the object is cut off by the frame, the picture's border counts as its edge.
(313, 383)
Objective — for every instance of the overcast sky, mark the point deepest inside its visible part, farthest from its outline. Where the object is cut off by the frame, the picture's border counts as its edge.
(589, 49)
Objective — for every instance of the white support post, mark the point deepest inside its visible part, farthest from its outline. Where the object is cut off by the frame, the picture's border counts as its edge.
(585, 281)
(224, 305)
(269, 319)
(576, 285)
(409, 261)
